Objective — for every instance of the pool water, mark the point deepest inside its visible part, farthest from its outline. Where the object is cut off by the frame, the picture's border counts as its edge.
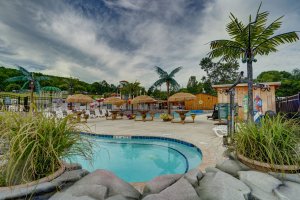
(140, 159)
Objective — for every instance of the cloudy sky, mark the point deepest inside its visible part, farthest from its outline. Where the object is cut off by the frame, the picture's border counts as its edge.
(117, 40)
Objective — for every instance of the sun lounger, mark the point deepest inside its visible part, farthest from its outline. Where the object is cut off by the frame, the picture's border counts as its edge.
(220, 130)
(98, 114)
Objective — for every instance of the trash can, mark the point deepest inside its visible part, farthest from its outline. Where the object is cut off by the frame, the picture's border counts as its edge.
(223, 110)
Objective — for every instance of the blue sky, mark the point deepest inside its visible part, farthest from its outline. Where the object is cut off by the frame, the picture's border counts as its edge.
(117, 40)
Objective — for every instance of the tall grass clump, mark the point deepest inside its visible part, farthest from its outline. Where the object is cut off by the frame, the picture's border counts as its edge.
(36, 145)
(276, 141)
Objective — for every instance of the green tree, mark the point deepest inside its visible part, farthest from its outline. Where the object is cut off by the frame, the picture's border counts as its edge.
(12, 86)
(131, 90)
(220, 72)
(30, 81)
(247, 41)
(168, 79)
(193, 86)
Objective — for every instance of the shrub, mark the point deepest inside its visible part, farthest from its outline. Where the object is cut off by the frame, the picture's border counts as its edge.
(37, 145)
(275, 141)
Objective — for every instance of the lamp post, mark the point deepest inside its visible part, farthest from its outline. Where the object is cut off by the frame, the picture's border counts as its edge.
(31, 86)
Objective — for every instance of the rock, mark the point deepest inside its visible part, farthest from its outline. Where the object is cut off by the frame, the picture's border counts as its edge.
(18, 193)
(94, 191)
(69, 176)
(114, 184)
(212, 169)
(288, 191)
(181, 190)
(261, 184)
(193, 176)
(155, 197)
(160, 183)
(117, 197)
(286, 177)
(222, 186)
(232, 167)
(68, 196)
(72, 166)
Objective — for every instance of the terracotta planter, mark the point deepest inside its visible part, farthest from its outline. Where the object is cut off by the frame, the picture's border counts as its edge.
(266, 167)
(42, 180)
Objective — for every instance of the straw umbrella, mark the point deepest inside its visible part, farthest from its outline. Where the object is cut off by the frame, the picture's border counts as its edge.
(79, 98)
(114, 101)
(143, 99)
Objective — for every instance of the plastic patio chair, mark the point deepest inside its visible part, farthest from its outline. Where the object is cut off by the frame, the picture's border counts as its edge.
(220, 130)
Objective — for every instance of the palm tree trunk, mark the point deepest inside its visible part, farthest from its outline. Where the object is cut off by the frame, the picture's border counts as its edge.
(250, 115)
(168, 94)
(31, 100)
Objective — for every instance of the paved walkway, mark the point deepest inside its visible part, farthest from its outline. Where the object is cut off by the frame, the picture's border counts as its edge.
(199, 133)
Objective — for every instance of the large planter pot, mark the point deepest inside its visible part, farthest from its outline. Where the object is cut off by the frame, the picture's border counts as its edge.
(266, 167)
(33, 183)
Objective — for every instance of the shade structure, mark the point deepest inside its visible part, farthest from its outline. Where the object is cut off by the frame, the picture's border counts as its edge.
(51, 89)
(79, 98)
(114, 101)
(181, 96)
(143, 99)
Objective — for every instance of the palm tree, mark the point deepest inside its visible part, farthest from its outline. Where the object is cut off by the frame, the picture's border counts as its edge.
(247, 41)
(131, 89)
(30, 81)
(164, 77)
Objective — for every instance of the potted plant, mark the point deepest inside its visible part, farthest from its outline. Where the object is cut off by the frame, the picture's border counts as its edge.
(131, 116)
(36, 147)
(271, 145)
(165, 117)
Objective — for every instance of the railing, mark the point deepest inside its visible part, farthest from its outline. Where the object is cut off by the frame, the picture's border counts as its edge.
(289, 104)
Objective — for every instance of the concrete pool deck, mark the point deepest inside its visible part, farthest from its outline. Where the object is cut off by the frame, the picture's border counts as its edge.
(199, 133)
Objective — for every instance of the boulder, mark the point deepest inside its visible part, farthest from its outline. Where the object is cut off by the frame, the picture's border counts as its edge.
(288, 191)
(262, 185)
(286, 177)
(212, 169)
(69, 176)
(181, 190)
(222, 186)
(68, 196)
(72, 166)
(116, 197)
(160, 183)
(193, 176)
(232, 167)
(115, 185)
(155, 197)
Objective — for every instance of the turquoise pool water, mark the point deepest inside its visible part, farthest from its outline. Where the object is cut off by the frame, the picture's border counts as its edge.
(141, 159)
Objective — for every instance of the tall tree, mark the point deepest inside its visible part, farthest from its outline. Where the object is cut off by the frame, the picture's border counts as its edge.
(31, 81)
(247, 41)
(220, 72)
(168, 79)
(131, 89)
(193, 86)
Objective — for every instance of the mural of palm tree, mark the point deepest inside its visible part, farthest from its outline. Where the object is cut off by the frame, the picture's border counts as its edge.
(247, 41)
(30, 81)
(168, 79)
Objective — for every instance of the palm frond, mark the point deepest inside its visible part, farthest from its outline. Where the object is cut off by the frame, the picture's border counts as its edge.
(25, 84)
(159, 82)
(275, 41)
(160, 72)
(236, 29)
(42, 78)
(37, 87)
(175, 71)
(174, 84)
(226, 51)
(17, 78)
(24, 71)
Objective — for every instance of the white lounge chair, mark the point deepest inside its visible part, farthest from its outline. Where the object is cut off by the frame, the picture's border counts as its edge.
(220, 130)
(59, 114)
(98, 114)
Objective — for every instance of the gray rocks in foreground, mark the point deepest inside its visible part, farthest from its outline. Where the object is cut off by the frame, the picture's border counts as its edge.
(222, 186)
(99, 185)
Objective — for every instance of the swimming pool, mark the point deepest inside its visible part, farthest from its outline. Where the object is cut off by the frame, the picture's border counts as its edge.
(140, 158)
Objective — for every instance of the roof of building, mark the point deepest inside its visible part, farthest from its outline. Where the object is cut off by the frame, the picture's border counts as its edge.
(276, 84)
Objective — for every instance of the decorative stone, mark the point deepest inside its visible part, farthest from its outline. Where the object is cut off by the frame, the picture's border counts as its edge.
(181, 190)
(222, 186)
(288, 191)
(261, 184)
(18, 193)
(95, 191)
(160, 183)
(286, 177)
(117, 197)
(232, 167)
(69, 176)
(68, 196)
(155, 197)
(194, 176)
(72, 166)
(114, 184)
(212, 169)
